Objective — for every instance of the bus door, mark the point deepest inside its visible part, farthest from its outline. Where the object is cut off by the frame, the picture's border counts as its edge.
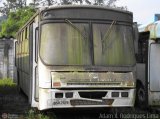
(154, 74)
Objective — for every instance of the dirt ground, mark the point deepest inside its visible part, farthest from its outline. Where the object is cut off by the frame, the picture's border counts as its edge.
(14, 105)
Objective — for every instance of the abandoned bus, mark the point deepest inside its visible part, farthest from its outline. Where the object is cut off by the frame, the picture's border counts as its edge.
(77, 56)
(148, 65)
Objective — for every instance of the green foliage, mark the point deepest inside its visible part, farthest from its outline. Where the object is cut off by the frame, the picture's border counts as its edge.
(33, 114)
(6, 82)
(15, 21)
(7, 86)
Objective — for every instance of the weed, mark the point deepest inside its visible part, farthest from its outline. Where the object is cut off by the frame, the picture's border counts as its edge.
(32, 114)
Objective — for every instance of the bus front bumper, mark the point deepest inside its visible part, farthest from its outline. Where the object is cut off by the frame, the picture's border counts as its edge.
(54, 98)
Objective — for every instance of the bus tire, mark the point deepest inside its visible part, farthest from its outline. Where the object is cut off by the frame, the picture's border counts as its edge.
(140, 96)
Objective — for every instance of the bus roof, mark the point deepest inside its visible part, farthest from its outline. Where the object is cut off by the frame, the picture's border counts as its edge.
(90, 11)
(84, 6)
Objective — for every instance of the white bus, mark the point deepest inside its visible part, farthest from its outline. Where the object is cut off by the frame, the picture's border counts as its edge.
(148, 66)
(77, 56)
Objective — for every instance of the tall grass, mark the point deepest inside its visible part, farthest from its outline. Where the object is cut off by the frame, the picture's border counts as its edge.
(6, 82)
(32, 114)
(7, 86)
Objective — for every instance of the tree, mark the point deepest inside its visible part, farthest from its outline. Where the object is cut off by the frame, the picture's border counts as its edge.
(12, 6)
(15, 21)
(109, 3)
(37, 3)
(21, 3)
(7, 7)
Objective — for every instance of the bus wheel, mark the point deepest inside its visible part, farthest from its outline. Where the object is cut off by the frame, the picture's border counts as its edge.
(140, 96)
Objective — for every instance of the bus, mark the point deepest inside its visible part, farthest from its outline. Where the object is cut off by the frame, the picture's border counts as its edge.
(148, 66)
(77, 57)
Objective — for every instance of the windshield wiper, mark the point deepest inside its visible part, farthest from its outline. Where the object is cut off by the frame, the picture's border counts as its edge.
(76, 28)
(106, 35)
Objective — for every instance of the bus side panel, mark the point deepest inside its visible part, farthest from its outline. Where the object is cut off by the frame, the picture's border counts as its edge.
(33, 64)
(23, 61)
(30, 59)
(154, 71)
(154, 99)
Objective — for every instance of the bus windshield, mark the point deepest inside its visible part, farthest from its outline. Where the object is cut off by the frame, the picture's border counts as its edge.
(65, 44)
(69, 44)
(113, 45)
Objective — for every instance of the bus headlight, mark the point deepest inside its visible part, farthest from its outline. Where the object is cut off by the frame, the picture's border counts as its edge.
(56, 82)
(130, 83)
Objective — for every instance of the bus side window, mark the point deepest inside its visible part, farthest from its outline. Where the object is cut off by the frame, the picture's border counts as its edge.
(23, 47)
(30, 44)
(20, 51)
(36, 44)
(25, 42)
(17, 49)
(27, 50)
(26, 32)
(142, 47)
(16, 53)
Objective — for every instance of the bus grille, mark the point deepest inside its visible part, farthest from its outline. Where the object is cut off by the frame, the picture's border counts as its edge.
(90, 102)
(95, 84)
(92, 95)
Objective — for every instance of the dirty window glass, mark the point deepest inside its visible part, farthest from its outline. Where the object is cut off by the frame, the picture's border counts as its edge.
(65, 44)
(113, 45)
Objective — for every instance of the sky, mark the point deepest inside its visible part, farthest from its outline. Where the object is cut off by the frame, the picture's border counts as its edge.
(143, 10)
